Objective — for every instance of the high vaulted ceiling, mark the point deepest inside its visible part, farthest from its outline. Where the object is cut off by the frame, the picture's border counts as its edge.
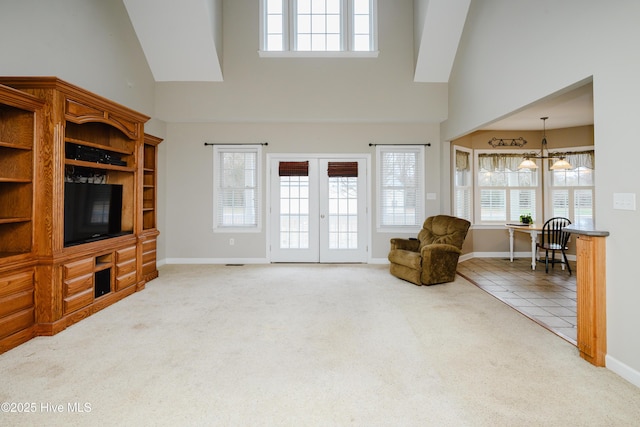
(182, 42)
(179, 38)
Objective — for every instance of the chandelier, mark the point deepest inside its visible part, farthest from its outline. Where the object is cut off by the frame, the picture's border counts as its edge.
(560, 163)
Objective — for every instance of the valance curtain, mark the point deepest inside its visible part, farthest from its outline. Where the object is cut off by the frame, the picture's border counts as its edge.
(462, 161)
(511, 161)
(499, 162)
(577, 159)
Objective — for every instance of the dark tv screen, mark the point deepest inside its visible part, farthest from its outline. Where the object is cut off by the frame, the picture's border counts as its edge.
(91, 212)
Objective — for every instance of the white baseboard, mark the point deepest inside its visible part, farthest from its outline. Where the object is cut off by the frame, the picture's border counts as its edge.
(217, 261)
(622, 369)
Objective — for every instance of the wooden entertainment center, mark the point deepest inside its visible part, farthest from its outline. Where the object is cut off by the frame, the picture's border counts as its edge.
(53, 133)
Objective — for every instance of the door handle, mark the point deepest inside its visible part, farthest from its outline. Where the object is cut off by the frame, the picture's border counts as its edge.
(322, 216)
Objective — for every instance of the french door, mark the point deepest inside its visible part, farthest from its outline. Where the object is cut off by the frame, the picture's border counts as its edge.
(318, 210)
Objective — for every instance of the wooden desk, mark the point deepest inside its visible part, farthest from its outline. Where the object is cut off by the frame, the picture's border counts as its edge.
(533, 231)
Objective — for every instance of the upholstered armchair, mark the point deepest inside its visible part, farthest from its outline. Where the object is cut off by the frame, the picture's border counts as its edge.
(433, 257)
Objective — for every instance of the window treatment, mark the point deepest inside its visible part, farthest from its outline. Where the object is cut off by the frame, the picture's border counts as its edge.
(499, 161)
(344, 169)
(462, 161)
(511, 161)
(577, 159)
(293, 168)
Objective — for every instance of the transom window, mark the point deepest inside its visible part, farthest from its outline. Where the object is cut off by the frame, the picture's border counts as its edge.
(318, 26)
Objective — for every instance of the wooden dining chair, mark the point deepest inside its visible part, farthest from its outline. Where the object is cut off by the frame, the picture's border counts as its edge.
(554, 239)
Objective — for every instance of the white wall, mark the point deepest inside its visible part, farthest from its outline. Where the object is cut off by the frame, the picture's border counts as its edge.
(514, 53)
(89, 43)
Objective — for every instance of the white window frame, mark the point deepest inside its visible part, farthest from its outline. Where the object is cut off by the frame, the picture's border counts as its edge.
(477, 188)
(420, 190)
(218, 225)
(550, 188)
(469, 187)
(347, 33)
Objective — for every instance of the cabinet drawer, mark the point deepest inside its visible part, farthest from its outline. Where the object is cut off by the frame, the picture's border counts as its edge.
(78, 284)
(18, 282)
(16, 302)
(125, 281)
(125, 254)
(149, 267)
(78, 301)
(16, 322)
(148, 257)
(126, 267)
(78, 268)
(149, 245)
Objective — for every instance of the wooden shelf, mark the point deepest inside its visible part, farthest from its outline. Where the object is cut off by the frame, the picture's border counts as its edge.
(14, 146)
(98, 146)
(102, 166)
(15, 180)
(13, 220)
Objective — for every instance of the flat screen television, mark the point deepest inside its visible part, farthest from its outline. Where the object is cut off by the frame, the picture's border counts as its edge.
(91, 212)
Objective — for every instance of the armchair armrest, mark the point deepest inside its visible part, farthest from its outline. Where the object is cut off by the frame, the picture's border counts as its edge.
(440, 247)
(405, 244)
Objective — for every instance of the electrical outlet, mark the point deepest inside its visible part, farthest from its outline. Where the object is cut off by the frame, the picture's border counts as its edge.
(624, 201)
(232, 242)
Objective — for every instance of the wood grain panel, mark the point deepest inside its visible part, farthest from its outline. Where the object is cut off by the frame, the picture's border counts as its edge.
(16, 322)
(126, 280)
(78, 268)
(78, 301)
(78, 284)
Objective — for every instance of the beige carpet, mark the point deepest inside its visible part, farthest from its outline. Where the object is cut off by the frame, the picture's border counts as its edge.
(309, 345)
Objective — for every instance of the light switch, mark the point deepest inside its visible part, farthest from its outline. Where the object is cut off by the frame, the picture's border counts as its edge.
(431, 196)
(624, 201)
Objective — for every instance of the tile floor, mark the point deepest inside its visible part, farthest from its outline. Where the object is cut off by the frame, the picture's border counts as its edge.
(548, 299)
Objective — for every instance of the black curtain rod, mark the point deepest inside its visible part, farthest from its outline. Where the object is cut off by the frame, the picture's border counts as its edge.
(426, 144)
(226, 143)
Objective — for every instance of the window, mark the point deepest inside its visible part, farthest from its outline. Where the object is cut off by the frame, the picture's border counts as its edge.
(237, 189)
(504, 191)
(313, 26)
(462, 183)
(400, 186)
(572, 189)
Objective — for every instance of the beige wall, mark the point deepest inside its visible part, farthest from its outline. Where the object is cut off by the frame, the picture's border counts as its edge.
(334, 90)
(190, 236)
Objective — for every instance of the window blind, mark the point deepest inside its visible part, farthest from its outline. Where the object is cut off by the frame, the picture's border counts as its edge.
(293, 168)
(342, 169)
